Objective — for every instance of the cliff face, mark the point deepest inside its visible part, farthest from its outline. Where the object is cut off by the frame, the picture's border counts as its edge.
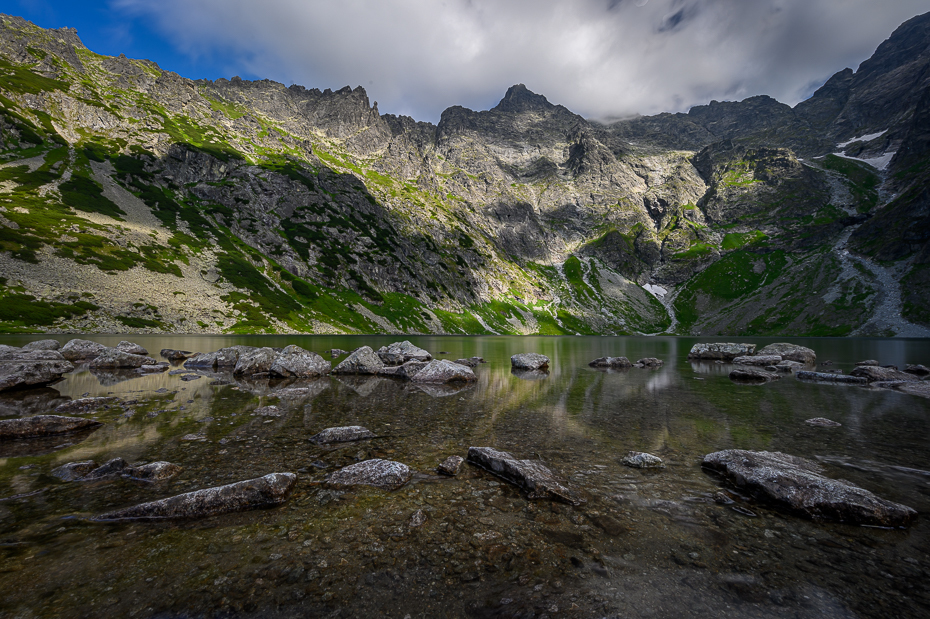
(134, 199)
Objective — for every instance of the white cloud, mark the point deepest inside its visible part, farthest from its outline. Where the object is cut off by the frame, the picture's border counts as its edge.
(599, 58)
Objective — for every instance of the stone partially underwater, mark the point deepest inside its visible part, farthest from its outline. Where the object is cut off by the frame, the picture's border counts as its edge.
(531, 475)
(799, 485)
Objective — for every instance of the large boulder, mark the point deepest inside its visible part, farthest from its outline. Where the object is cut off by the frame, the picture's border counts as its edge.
(444, 371)
(752, 375)
(294, 361)
(43, 425)
(81, 350)
(724, 351)
(384, 474)
(362, 361)
(406, 371)
(31, 355)
(23, 373)
(43, 345)
(113, 359)
(172, 354)
(530, 475)
(344, 434)
(268, 491)
(760, 360)
(407, 350)
(873, 373)
(131, 347)
(529, 361)
(799, 484)
(255, 361)
(224, 358)
(790, 352)
(616, 363)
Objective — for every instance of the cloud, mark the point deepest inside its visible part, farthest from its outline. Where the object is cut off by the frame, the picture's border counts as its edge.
(600, 58)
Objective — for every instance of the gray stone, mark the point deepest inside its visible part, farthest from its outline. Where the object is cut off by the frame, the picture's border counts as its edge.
(43, 425)
(391, 358)
(81, 350)
(344, 434)
(406, 371)
(791, 352)
(31, 355)
(384, 474)
(642, 460)
(295, 362)
(829, 377)
(787, 367)
(223, 358)
(451, 466)
(256, 361)
(752, 375)
(758, 360)
(42, 345)
(172, 354)
(531, 475)
(469, 363)
(798, 483)
(113, 359)
(822, 422)
(650, 362)
(362, 361)
(21, 373)
(417, 519)
(529, 361)
(83, 406)
(267, 411)
(441, 371)
(611, 362)
(337, 352)
(407, 350)
(132, 348)
(74, 471)
(152, 369)
(109, 470)
(268, 491)
(874, 373)
(919, 388)
(917, 370)
(153, 472)
(724, 351)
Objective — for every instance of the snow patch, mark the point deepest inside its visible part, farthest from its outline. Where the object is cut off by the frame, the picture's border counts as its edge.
(864, 138)
(656, 291)
(879, 163)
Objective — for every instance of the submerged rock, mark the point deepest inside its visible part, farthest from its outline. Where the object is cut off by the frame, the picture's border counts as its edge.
(268, 491)
(823, 422)
(790, 352)
(828, 377)
(267, 411)
(131, 347)
(42, 345)
(530, 475)
(43, 425)
(760, 360)
(611, 362)
(74, 471)
(22, 373)
(917, 370)
(384, 474)
(469, 363)
(113, 359)
(362, 361)
(752, 375)
(294, 361)
(798, 483)
(874, 374)
(451, 466)
(81, 350)
(529, 361)
(440, 371)
(108, 470)
(337, 352)
(154, 471)
(642, 460)
(724, 351)
(407, 350)
(344, 434)
(85, 405)
(921, 388)
(530, 374)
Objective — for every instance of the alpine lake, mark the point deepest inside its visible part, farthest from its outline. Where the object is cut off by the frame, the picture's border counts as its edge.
(646, 543)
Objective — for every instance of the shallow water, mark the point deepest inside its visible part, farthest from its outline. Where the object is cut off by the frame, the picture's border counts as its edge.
(646, 543)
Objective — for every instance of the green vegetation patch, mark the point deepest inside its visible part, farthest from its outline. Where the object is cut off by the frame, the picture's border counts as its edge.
(23, 310)
(738, 240)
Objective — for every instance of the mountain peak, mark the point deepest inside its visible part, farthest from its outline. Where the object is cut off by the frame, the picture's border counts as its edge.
(519, 98)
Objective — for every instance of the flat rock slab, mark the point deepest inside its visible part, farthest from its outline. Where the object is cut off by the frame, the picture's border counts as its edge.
(753, 375)
(344, 434)
(760, 360)
(823, 422)
(451, 466)
(384, 474)
(798, 484)
(828, 377)
(44, 425)
(724, 351)
(790, 352)
(611, 362)
(362, 361)
(268, 491)
(875, 374)
(529, 361)
(24, 373)
(530, 475)
(83, 406)
(642, 460)
(442, 371)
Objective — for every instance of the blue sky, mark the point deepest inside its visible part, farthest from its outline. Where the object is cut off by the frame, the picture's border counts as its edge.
(603, 59)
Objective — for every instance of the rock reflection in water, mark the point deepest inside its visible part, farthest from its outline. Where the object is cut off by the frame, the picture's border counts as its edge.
(647, 543)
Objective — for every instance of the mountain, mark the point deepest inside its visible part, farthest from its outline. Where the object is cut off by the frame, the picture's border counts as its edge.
(132, 199)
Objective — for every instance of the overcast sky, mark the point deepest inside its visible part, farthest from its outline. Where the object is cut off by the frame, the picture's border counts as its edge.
(600, 58)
